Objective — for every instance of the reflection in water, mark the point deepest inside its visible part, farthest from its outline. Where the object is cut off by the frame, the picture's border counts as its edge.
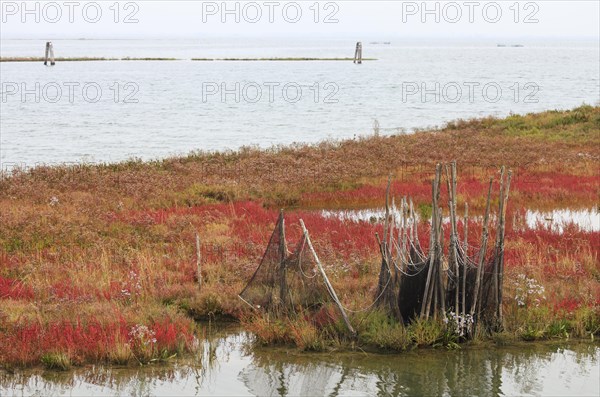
(227, 365)
(523, 370)
(556, 220)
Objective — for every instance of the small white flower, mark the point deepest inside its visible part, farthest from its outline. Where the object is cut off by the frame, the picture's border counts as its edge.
(528, 290)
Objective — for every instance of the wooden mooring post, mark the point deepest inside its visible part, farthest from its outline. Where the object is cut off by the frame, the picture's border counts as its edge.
(49, 54)
(358, 53)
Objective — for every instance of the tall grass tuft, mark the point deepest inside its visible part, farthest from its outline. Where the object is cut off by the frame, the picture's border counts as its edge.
(57, 361)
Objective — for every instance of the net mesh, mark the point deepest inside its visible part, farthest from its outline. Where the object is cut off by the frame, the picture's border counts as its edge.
(286, 283)
(415, 284)
(262, 291)
(468, 270)
(402, 294)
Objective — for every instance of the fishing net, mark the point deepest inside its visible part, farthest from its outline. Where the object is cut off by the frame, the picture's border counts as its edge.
(286, 283)
(306, 289)
(411, 283)
(387, 288)
(410, 286)
(264, 288)
(468, 273)
(414, 284)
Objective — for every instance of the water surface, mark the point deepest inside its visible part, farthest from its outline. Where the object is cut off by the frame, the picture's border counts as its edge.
(228, 365)
(556, 220)
(167, 108)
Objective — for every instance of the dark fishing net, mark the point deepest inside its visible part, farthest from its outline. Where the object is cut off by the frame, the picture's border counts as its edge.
(264, 288)
(387, 289)
(401, 287)
(489, 305)
(412, 289)
(468, 268)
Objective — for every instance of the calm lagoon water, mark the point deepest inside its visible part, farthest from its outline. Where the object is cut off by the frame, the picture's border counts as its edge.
(153, 109)
(229, 366)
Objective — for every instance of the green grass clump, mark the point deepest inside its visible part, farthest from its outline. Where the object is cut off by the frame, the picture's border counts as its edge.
(541, 323)
(425, 332)
(382, 332)
(57, 361)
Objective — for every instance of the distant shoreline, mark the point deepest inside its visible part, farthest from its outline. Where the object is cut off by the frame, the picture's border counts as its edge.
(88, 59)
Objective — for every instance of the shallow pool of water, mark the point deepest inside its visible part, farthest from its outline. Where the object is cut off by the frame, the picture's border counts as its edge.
(229, 365)
(557, 220)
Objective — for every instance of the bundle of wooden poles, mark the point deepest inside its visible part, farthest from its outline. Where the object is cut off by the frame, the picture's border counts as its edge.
(414, 284)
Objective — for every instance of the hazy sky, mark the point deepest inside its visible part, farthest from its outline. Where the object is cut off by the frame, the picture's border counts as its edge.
(359, 19)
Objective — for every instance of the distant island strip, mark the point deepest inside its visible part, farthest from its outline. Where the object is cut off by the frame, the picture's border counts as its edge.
(87, 59)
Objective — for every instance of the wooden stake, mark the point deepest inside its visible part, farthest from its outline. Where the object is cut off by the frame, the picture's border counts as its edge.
(438, 245)
(387, 210)
(453, 260)
(464, 279)
(327, 283)
(496, 278)
(382, 269)
(430, 290)
(386, 288)
(384, 257)
(454, 204)
(466, 227)
(484, 239)
(398, 244)
(415, 224)
(412, 216)
(501, 257)
(454, 238)
(435, 303)
(430, 284)
(440, 273)
(282, 256)
(392, 224)
(49, 54)
(404, 247)
(448, 183)
(358, 53)
(387, 231)
(426, 295)
(198, 261)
